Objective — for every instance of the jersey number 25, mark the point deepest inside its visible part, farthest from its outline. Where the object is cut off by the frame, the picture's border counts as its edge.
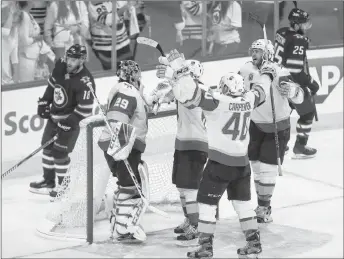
(237, 125)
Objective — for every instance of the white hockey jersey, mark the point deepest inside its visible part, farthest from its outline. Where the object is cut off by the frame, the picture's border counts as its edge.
(227, 120)
(262, 115)
(100, 15)
(125, 104)
(191, 132)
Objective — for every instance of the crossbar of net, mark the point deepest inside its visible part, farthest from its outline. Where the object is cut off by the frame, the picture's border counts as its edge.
(69, 211)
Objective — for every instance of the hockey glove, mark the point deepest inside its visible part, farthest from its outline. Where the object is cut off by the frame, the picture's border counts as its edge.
(176, 59)
(164, 72)
(122, 141)
(62, 126)
(288, 89)
(43, 109)
(163, 92)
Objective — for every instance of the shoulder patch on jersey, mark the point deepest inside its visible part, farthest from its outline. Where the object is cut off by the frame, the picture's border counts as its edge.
(250, 77)
(60, 96)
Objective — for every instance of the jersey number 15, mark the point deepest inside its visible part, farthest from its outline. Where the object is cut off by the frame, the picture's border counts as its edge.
(237, 126)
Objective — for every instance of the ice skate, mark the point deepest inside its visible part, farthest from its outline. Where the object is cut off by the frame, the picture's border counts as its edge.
(189, 237)
(303, 152)
(42, 187)
(253, 247)
(263, 214)
(181, 228)
(205, 250)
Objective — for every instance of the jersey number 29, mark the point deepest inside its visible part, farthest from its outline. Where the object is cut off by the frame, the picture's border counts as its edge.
(239, 129)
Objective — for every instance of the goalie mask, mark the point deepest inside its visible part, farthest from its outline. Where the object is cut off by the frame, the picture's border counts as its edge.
(196, 68)
(299, 20)
(232, 84)
(260, 51)
(130, 72)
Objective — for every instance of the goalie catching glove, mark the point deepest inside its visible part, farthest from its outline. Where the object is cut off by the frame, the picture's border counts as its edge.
(122, 141)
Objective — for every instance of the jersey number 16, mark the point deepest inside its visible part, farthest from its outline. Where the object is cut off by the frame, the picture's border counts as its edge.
(237, 126)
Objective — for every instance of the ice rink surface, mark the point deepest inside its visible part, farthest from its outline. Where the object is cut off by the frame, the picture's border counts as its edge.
(307, 212)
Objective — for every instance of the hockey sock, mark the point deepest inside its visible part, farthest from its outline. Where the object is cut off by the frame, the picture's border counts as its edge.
(267, 182)
(303, 131)
(207, 219)
(48, 165)
(61, 168)
(182, 200)
(191, 206)
(247, 216)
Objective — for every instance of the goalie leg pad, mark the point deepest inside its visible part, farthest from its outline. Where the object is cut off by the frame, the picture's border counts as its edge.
(129, 209)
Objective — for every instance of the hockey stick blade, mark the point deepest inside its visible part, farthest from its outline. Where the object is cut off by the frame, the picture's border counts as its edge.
(150, 42)
(255, 17)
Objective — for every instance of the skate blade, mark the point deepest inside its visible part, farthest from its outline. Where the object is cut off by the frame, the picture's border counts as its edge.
(42, 191)
(301, 156)
(188, 243)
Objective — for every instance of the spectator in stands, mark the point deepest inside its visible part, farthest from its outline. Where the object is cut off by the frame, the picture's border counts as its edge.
(9, 46)
(39, 11)
(189, 28)
(225, 18)
(66, 24)
(29, 41)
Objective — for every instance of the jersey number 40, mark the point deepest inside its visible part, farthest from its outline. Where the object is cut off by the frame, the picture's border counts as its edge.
(237, 125)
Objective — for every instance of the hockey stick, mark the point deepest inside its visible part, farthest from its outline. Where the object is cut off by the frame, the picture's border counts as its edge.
(130, 170)
(29, 156)
(153, 44)
(262, 25)
(313, 97)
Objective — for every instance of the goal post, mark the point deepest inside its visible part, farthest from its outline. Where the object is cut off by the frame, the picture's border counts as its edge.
(78, 212)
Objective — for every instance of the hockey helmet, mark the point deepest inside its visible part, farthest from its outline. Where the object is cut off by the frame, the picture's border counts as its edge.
(130, 72)
(300, 17)
(267, 48)
(232, 84)
(77, 51)
(196, 68)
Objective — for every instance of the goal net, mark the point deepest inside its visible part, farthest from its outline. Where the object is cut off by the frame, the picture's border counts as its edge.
(76, 213)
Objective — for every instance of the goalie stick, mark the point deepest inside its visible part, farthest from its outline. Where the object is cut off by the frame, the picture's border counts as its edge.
(130, 170)
(262, 25)
(29, 156)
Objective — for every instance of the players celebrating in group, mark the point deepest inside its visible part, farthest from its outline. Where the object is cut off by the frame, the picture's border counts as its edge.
(222, 134)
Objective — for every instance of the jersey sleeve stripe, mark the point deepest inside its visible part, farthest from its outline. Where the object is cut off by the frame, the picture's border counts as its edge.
(294, 70)
(295, 62)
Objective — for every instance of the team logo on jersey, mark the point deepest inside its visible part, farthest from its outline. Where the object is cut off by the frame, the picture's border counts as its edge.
(60, 96)
(250, 77)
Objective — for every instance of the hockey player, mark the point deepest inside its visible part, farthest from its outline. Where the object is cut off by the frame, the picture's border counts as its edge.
(290, 51)
(66, 101)
(190, 157)
(227, 113)
(127, 115)
(262, 146)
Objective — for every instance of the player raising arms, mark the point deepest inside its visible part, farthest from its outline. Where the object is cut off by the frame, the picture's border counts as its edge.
(227, 114)
(290, 51)
(127, 113)
(190, 157)
(262, 148)
(66, 101)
